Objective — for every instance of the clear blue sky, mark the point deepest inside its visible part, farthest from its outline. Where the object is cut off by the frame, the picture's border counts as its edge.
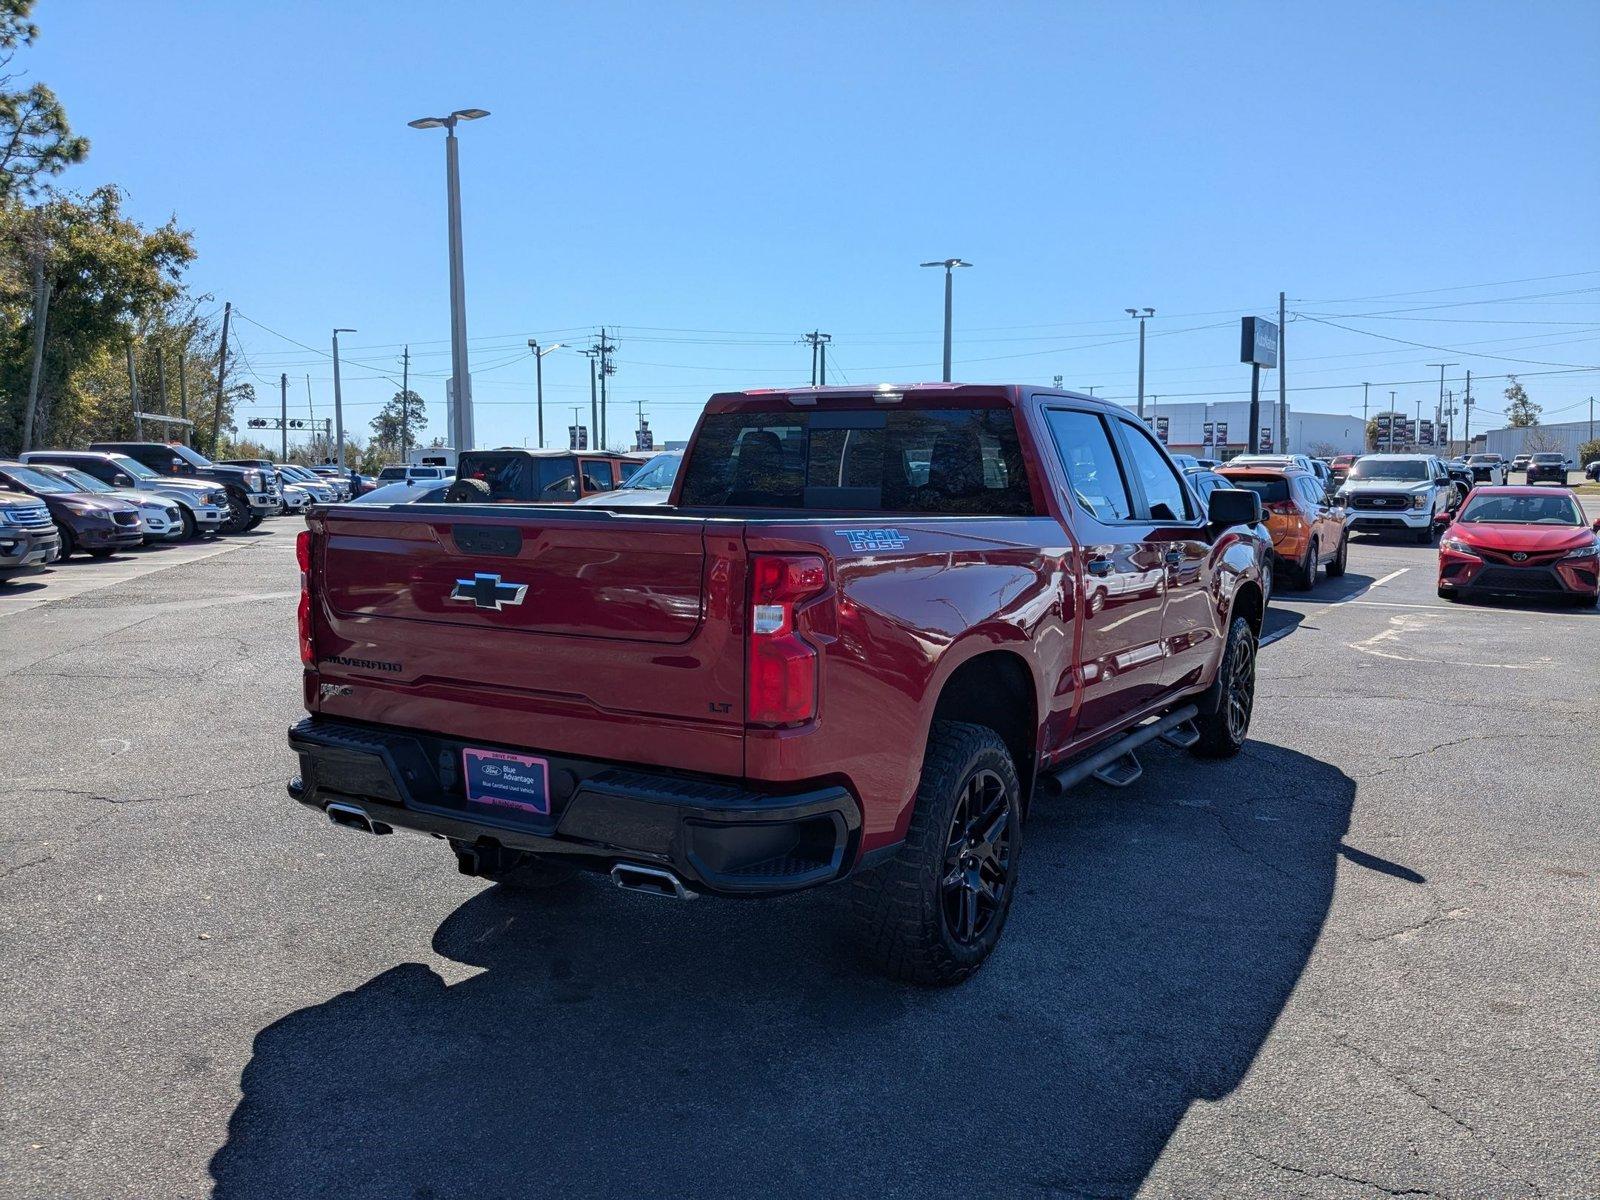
(717, 180)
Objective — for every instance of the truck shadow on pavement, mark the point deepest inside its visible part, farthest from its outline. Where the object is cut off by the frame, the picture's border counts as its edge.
(613, 1044)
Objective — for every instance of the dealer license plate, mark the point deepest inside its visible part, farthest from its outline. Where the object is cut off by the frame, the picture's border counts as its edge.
(507, 783)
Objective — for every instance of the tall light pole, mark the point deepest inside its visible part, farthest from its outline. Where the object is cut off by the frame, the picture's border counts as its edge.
(1441, 367)
(1141, 316)
(538, 380)
(338, 398)
(1392, 412)
(1365, 388)
(949, 265)
(461, 432)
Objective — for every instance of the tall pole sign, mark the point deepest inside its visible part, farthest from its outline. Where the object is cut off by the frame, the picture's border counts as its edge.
(1258, 346)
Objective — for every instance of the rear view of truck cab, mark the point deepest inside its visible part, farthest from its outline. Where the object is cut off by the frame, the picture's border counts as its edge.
(849, 648)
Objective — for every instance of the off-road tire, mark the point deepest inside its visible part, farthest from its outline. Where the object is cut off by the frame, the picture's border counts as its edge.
(899, 908)
(467, 491)
(1340, 559)
(255, 519)
(1224, 720)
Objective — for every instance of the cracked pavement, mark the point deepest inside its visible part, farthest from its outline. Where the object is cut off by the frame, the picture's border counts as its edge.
(1360, 960)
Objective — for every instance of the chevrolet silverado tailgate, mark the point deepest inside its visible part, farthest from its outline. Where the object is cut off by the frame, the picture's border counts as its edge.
(581, 631)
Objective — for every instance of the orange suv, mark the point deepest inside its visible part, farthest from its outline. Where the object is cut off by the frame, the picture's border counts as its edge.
(1307, 529)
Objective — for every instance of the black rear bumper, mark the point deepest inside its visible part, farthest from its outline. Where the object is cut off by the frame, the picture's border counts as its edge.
(718, 836)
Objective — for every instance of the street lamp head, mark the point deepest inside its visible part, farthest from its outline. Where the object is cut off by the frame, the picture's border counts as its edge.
(1149, 312)
(470, 114)
(429, 123)
(342, 330)
(1132, 312)
(947, 263)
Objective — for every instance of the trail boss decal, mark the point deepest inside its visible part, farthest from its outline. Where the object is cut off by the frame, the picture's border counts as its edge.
(864, 540)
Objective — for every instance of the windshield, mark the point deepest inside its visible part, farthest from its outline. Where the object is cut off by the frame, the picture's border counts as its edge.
(1547, 458)
(657, 474)
(1395, 470)
(1484, 458)
(1551, 509)
(192, 457)
(37, 481)
(133, 466)
(83, 482)
(391, 473)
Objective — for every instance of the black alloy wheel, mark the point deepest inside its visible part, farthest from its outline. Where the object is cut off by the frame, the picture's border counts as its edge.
(1239, 696)
(977, 859)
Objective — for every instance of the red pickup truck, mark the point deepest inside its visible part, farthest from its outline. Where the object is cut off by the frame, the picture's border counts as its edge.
(870, 628)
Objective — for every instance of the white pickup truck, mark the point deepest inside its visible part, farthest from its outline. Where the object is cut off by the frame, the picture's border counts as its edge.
(1398, 493)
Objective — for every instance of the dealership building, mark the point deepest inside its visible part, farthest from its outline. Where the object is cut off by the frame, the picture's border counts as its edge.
(1185, 425)
(1563, 436)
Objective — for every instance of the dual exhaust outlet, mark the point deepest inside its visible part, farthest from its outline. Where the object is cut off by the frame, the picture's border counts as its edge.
(630, 877)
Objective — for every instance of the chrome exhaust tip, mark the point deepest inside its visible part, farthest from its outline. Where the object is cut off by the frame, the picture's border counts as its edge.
(351, 817)
(654, 881)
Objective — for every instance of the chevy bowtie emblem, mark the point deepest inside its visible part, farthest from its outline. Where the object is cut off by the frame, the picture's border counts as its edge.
(1519, 556)
(488, 591)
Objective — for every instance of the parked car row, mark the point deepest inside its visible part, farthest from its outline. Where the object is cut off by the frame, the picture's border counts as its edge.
(117, 496)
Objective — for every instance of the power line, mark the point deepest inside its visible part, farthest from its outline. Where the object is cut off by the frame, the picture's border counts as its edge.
(1448, 349)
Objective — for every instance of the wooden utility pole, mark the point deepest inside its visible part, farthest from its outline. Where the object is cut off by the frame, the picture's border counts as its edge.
(161, 381)
(183, 392)
(133, 393)
(405, 405)
(41, 312)
(1283, 386)
(222, 371)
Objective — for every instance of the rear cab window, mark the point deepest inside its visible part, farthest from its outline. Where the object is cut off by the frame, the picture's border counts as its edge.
(963, 461)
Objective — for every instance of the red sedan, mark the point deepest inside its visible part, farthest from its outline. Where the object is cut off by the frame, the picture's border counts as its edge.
(1521, 541)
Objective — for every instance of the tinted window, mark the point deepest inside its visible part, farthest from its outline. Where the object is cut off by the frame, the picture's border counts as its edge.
(1163, 490)
(597, 476)
(1084, 444)
(392, 473)
(1555, 508)
(1271, 489)
(929, 460)
(1393, 470)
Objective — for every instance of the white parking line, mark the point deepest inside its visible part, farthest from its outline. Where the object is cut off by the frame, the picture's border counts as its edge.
(1377, 583)
(1465, 609)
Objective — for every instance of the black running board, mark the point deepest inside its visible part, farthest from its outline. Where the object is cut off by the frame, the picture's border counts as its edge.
(1106, 764)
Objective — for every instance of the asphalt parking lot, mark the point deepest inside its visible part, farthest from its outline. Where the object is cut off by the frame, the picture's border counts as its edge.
(1360, 960)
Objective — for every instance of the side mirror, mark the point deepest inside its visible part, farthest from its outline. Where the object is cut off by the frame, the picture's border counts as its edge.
(1233, 506)
(121, 480)
(1597, 525)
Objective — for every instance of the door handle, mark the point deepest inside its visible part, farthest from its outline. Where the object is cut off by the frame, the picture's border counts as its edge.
(1100, 566)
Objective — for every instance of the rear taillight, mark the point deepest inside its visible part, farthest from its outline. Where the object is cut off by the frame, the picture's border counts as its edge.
(302, 555)
(1284, 508)
(782, 675)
